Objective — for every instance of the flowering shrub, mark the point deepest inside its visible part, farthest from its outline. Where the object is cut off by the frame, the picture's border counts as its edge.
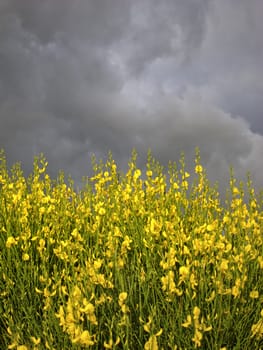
(142, 260)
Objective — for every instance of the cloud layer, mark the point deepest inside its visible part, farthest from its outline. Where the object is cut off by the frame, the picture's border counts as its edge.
(87, 77)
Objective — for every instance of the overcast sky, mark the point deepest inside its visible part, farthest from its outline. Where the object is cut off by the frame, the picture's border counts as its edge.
(88, 76)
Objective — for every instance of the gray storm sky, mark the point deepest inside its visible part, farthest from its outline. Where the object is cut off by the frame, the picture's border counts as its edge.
(88, 76)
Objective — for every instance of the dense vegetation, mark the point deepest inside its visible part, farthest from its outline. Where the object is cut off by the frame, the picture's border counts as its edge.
(133, 261)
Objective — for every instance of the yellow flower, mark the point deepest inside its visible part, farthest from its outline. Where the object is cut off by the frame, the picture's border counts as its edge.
(64, 290)
(184, 272)
(10, 241)
(147, 326)
(61, 316)
(120, 263)
(186, 251)
(97, 264)
(198, 336)
(226, 219)
(175, 186)
(188, 322)
(235, 190)
(25, 257)
(89, 310)
(198, 169)
(137, 174)
(42, 210)
(257, 329)
(254, 294)
(224, 265)
(84, 339)
(193, 281)
(102, 211)
(235, 291)
(248, 248)
(185, 184)
(76, 293)
(210, 227)
(88, 307)
(36, 341)
(126, 244)
(168, 282)
(125, 309)
(149, 173)
(110, 344)
(196, 312)
(122, 297)
(152, 343)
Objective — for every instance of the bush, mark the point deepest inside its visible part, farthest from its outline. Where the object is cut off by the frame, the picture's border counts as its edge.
(133, 261)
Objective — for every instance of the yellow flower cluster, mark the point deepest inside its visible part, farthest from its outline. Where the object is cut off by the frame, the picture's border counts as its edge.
(84, 269)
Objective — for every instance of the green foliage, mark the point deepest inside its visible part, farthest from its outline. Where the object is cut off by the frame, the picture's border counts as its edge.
(133, 261)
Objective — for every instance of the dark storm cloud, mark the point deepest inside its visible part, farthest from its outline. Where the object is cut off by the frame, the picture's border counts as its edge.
(161, 29)
(96, 21)
(82, 77)
(233, 54)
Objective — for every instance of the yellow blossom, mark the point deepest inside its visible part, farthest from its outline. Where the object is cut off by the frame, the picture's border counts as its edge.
(254, 294)
(85, 338)
(185, 184)
(88, 307)
(149, 173)
(122, 297)
(102, 211)
(235, 190)
(210, 227)
(147, 326)
(110, 344)
(183, 272)
(25, 257)
(125, 309)
(188, 321)
(175, 186)
(137, 174)
(10, 241)
(152, 343)
(235, 291)
(97, 264)
(36, 341)
(257, 329)
(224, 265)
(196, 312)
(198, 336)
(198, 169)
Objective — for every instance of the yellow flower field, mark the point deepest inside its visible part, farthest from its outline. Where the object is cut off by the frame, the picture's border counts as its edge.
(143, 260)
